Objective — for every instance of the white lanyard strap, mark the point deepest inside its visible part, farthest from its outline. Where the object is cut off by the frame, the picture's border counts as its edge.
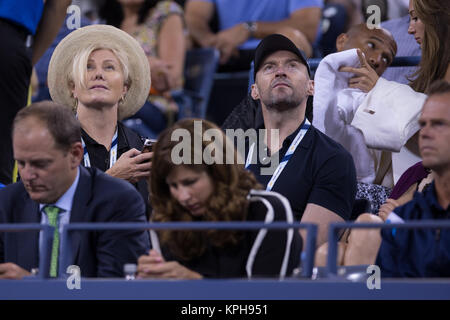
(249, 156)
(112, 152)
(294, 144)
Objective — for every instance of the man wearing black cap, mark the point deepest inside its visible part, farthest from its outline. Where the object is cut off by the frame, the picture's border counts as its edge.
(315, 173)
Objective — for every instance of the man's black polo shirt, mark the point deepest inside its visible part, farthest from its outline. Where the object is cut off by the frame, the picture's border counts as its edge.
(320, 171)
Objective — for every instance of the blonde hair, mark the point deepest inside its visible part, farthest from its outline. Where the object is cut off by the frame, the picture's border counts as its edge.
(78, 74)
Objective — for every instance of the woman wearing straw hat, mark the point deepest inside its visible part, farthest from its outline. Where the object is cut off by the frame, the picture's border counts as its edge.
(103, 73)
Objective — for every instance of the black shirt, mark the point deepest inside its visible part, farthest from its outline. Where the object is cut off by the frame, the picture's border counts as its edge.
(99, 156)
(230, 261)
(320, 171)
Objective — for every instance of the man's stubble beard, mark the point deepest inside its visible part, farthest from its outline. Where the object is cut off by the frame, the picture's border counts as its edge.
(283, 104)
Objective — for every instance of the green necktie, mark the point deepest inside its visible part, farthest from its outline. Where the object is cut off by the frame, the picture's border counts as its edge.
(52, 214)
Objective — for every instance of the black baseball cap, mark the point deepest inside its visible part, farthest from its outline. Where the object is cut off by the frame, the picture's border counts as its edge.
(277, 42)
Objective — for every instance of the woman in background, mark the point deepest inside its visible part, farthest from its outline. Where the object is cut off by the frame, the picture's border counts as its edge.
(430, 25)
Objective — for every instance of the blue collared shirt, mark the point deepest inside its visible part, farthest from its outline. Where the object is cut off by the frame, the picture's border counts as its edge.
(26, 13)
(232, 12)
(64, 203)
(417, 253)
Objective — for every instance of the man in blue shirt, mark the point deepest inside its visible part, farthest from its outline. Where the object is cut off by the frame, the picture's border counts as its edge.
(243, 23)
(425, 253)
(20, 19)
(55, 190)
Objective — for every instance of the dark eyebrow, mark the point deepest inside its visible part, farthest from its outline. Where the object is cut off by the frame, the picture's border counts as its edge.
(294, 59)
(289, 60)
(107, 60)
(382, 41)
(434, 121)
(376, 38)
(268, 62)
(438, 120)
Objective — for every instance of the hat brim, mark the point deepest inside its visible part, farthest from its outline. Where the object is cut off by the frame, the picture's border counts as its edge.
(62, 60)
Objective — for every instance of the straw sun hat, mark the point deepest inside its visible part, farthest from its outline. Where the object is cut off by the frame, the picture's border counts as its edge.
(62, 59)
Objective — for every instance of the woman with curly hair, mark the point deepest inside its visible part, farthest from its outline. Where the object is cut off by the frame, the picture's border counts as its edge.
(213, 191)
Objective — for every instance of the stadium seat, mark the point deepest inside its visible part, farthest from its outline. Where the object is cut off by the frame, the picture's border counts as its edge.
(200, 66)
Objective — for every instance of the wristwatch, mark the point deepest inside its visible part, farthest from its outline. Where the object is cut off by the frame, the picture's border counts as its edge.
(251, 27)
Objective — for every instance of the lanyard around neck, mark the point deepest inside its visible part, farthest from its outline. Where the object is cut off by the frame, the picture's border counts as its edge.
(112, 151)
(294, 144)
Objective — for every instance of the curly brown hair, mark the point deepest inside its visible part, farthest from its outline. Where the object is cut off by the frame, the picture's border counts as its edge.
(228, 201)
(435, 15)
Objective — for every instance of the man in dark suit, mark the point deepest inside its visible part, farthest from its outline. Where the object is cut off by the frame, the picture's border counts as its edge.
(55, 190)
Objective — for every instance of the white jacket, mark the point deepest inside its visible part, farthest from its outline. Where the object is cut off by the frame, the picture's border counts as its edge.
(365, 124)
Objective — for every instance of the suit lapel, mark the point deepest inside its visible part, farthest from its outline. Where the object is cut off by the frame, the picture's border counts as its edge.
(28, 242)
(79, 211)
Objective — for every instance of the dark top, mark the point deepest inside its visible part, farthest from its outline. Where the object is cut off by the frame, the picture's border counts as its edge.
(99, 156)
(247, 114)
(414, 174)
(420, 252)
(320, 171)
(230, 262)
